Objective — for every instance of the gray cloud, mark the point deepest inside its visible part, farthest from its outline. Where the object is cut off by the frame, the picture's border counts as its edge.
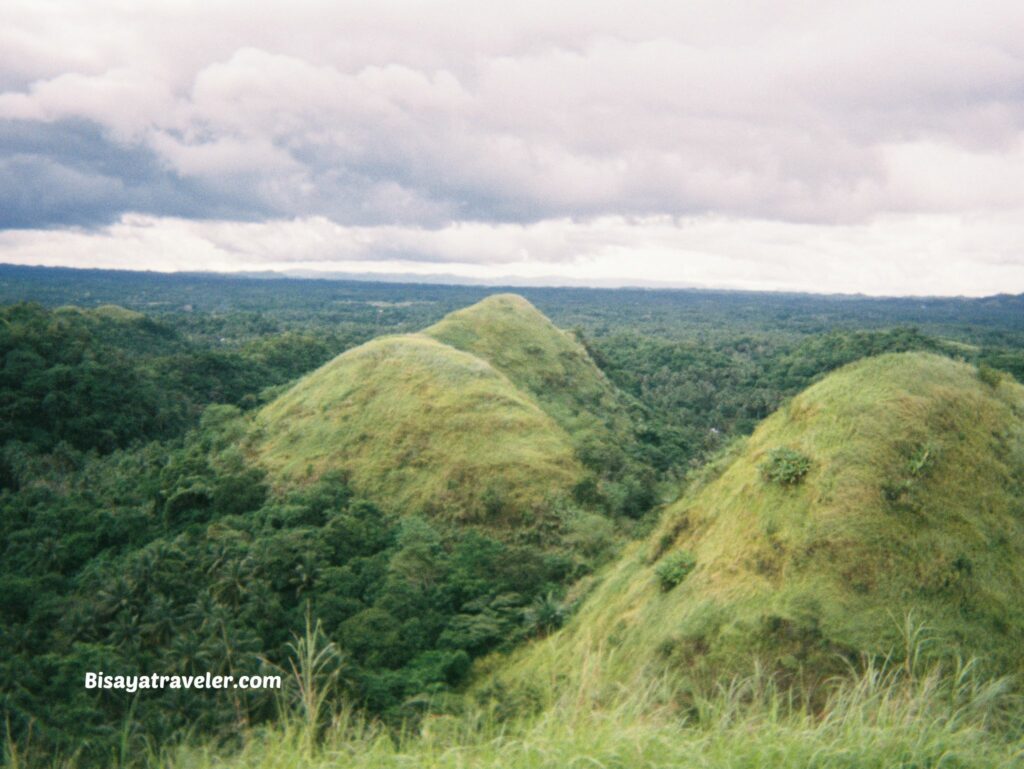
(69, 172)
(421, 117)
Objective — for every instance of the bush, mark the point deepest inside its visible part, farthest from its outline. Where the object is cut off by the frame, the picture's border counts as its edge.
(990, 376)
(674, 568)
(785, 466)
(545, 615)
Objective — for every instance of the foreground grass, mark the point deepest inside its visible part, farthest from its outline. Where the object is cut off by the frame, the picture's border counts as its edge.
(897, 712)
(884, 717)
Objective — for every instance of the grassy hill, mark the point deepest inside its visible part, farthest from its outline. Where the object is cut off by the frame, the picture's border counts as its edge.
(558, 374)
(420, 427)
(518, 340)
(489, 414)
(905, 499)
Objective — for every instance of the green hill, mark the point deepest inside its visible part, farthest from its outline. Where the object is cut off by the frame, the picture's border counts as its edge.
(419, 427)
(542, 360)
(911, 506)
(557, 372)
(492, 412)
(114, 312)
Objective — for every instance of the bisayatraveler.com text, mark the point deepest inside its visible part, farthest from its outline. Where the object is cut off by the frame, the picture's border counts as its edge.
(134, 683)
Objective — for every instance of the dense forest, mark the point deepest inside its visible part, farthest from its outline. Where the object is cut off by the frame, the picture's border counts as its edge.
(136, 535)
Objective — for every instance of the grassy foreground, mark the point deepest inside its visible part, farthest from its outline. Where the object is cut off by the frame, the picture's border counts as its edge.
(894, 712)
(887, 716)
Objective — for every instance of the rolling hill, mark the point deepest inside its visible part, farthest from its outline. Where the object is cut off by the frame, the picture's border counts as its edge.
(882, 506)
(540, 359)
(479, 418)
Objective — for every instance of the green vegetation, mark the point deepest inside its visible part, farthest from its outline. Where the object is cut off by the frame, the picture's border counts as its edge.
(674, 568)
(990, 376)
(68, 376)
(183, 559)
(785, 466)
(509, 333)
(427, 532)
(886, 716)
(804, 580)
(105, 379)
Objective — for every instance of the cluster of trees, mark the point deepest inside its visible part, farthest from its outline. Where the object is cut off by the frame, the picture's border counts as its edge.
(68, 376)
(177, 558)
(108, 379)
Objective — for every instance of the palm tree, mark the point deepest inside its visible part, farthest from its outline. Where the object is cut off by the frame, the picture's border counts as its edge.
(125, 632)
(190, 653)
(545, 615)
(232, 583)
(159, 620)
(203, 611)
(116, 596)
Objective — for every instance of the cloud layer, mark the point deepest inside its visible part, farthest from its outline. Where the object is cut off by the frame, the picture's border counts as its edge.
(454, 133)
(894, 255)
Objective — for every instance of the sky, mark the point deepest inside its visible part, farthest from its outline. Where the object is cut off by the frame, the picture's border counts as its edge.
(834, 147)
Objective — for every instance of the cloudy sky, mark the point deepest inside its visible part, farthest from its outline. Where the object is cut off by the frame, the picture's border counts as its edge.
(873, 147)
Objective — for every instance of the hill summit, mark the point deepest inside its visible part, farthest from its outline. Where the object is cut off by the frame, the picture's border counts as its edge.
(477, 418)
(540, 359)
(886, 501)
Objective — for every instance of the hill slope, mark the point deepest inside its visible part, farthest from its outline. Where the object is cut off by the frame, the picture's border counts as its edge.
(419, 427)
(542, 360)
(913, 505)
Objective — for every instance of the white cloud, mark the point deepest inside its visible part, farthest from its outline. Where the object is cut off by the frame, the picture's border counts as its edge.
(831, 120)
(898, 254)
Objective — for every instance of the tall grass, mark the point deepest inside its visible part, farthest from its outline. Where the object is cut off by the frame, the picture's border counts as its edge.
(897, 711)
(312, 685)
(887, 715)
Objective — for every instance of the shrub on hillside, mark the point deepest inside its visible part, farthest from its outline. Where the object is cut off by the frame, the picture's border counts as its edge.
(785, 466)
(545, 615)
(990, 376)
(674, 568)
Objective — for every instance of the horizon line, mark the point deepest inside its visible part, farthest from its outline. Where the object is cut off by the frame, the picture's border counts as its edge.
(507, 281)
